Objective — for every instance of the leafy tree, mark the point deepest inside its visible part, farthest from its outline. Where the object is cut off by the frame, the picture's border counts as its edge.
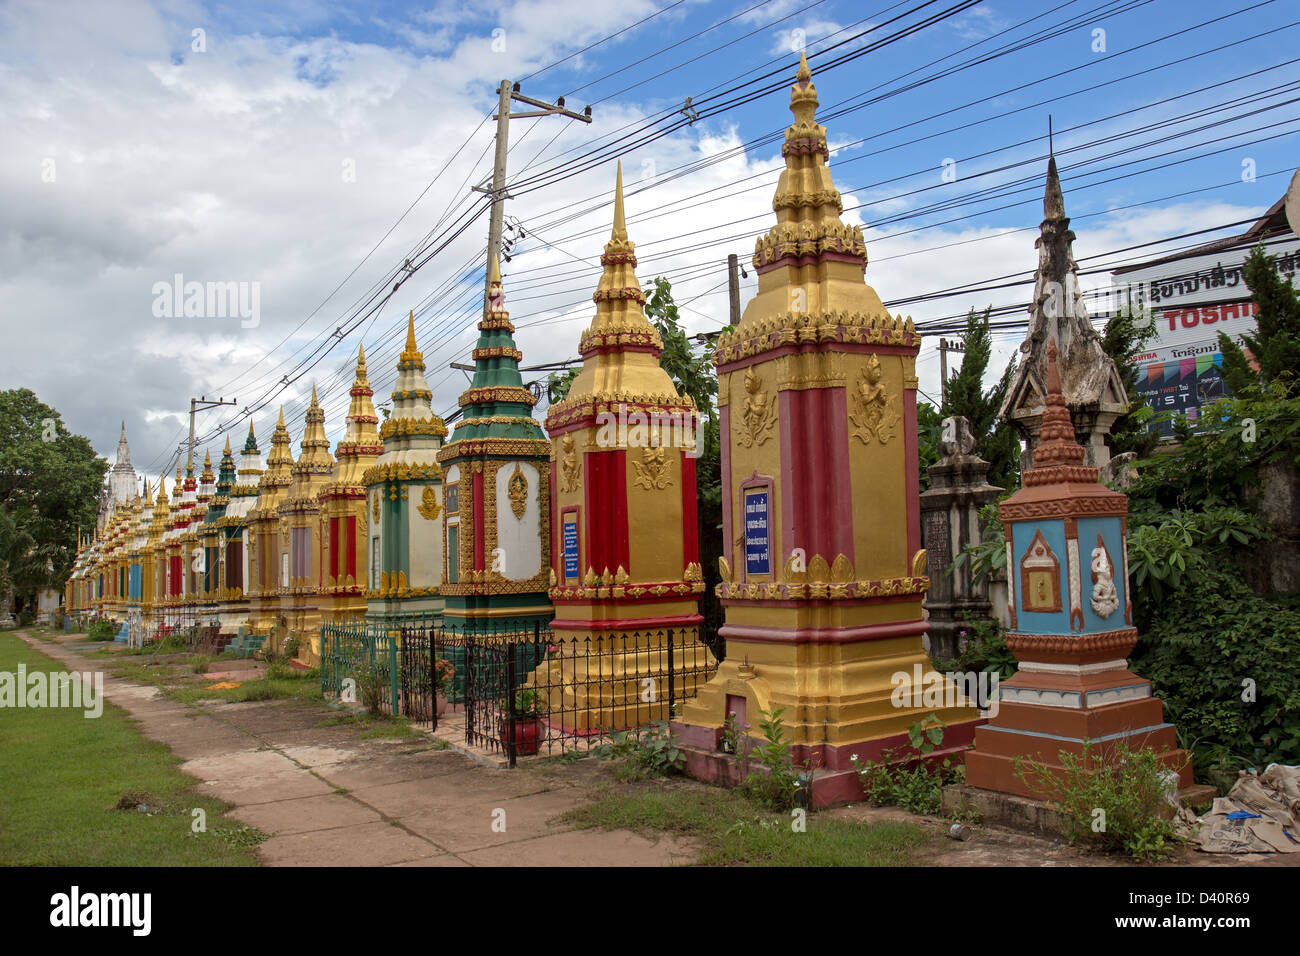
(965, 395)
(929, 428)
(49, 486)
(1276, 345)
(694, 375)
(1126, 336)
(559, 383)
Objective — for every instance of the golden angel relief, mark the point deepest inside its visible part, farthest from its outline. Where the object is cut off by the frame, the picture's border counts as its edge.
(652, 471)
(758, 415)
(429, 507)
(517, 489)
(873, 415)
(570, 466)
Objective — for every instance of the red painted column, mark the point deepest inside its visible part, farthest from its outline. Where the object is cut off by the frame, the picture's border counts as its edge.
(479, 531)
(351, 548)
(690, 513)
(912, 486)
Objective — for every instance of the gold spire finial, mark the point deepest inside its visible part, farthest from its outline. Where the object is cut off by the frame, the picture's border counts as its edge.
(280, 423)
(207, 455)
(494, 269)
(410, 332)
(804, 75)
(227, 451)
(620, 221)
(361, 355)
(314, 402)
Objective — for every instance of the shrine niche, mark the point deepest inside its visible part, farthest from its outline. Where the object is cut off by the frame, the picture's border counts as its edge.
(1040, 577)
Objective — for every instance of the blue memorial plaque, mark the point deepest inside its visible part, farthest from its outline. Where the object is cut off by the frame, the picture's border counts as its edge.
(570, 548)
(758, 538)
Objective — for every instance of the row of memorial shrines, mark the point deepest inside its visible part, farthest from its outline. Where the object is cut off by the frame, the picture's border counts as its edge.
(399, 524)
(593, 528)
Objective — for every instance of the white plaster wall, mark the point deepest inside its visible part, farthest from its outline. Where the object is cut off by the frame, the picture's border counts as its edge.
(425, 539)
(520, 538)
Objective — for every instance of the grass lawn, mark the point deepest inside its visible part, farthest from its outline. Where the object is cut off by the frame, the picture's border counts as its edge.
(62, 774)
(733, 830)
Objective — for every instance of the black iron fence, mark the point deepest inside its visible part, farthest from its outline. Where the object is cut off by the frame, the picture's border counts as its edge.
(532, 690)
(519, 688)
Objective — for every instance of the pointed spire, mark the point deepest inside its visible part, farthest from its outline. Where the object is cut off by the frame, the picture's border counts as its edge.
(804, 75)
(620, 221)
(361, 368)
(280, 423)
(496, 405)
(1053, 198)
(314, 402)
(360, 445)
(620, 349)
(227, 449)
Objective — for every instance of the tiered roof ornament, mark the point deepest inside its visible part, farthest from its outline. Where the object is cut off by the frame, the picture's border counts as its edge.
(621, 348)
(412, 434)
(1091, 385)
(496, 408)
(360, 443)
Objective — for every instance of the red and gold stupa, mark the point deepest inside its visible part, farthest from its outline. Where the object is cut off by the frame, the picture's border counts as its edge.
(823, 573)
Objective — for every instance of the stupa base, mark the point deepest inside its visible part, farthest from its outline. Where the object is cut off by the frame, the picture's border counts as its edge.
(1068, 723)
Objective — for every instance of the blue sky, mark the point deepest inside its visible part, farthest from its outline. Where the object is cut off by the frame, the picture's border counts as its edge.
(228, 162)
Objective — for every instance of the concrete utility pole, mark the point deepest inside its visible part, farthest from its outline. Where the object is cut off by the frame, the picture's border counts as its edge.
(498, 188)
(946, 346)
(202, 404)
(733, 287)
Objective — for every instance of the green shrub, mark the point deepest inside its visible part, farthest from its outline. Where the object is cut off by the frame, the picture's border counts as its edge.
(1223, 661)
(889, 783)
(372, 681)
(982, 646)
(1111, 804)
(645, 753)
(102, 629)
(776, 789)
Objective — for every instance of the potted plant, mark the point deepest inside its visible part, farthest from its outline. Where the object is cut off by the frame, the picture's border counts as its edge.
(525, 730)
(443, 672)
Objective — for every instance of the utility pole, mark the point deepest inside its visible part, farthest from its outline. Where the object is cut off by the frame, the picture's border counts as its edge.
(203, 403)
(946, 346)
(733, 287)
(498, 188)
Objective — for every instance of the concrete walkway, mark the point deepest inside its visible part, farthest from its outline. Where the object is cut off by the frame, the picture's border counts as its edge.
(331, 798)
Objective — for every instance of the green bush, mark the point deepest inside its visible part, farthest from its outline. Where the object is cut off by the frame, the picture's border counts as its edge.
(889, 783)
(982, 646)
(1112, 804)
(1223, 661)
(645, 753)
(102, 629)
(776, 789)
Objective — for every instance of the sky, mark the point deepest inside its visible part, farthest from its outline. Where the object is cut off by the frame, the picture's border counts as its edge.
(300, 154)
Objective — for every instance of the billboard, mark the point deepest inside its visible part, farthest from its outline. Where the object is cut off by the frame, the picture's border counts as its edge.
(1192, 300)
